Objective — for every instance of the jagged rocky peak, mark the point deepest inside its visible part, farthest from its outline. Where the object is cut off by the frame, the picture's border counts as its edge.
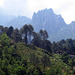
(34, 13)
(72, 23)
(42, 15)
(45, 11)
(47, 19)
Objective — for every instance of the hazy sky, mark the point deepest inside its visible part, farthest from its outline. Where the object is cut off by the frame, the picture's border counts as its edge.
(26, 7)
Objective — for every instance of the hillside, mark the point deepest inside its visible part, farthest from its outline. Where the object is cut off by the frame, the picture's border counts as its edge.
(21, 59)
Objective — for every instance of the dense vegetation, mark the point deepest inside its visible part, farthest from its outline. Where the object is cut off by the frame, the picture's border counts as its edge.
(25, 52)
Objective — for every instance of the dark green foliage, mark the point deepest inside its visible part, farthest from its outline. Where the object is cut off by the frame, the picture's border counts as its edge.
(62, 46)
(43, 34)
(36, 40)
(4, 40)
(10, 31)
(25, 52)
(40, 40)
(71, 62)
(54, 71)
(31, 29)
(14, 62)
(1, 30)
(1, 72)
(73, 72)
(34, 59)
(26, 32)
(32, 70)
(65, 57)
(45, 60)
(20, 70)
(16, 35)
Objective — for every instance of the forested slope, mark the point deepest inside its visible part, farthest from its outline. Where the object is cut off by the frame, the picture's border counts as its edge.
(21, 54)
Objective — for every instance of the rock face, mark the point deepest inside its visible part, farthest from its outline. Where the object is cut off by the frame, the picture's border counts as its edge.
(67, 32)
(54, 24)
(48, 20)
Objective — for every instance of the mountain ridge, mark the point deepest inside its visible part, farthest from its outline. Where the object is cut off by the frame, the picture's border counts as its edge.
(46, 20)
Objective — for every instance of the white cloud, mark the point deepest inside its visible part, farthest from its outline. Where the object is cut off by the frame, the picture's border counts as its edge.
(15, 7)
(1, 3)
(27, 7)
(63, 7)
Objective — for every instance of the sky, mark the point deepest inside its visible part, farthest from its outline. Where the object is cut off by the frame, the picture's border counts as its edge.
(27, 7)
